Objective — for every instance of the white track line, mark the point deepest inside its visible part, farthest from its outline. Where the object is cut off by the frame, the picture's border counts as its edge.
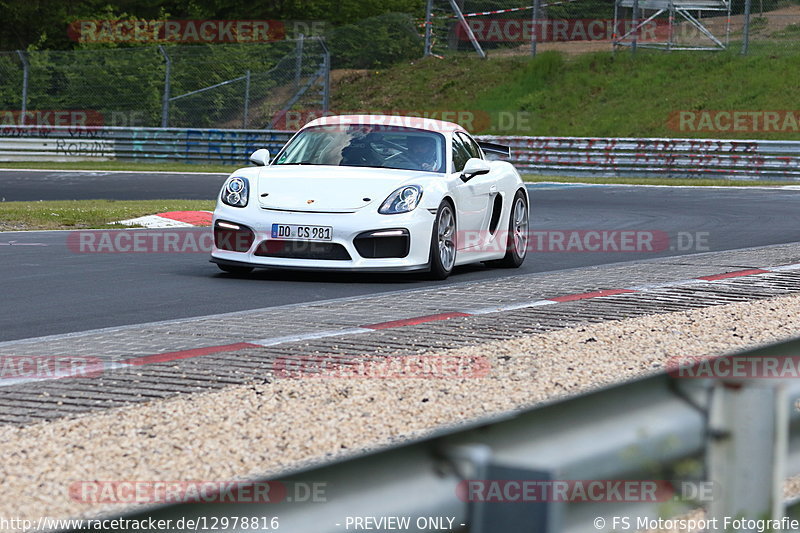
(155, 222)
(272, 341)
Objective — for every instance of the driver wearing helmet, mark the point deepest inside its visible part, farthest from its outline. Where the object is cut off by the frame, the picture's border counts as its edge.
(423, 152)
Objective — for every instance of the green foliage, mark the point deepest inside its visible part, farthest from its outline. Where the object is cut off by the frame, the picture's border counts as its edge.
(126, 85)
(10, 81)
(597, 94)
(375, 42)
(127, 79)
(342, 12)
(44, 24)
(96, 80)
(603, 95)
(199, 66)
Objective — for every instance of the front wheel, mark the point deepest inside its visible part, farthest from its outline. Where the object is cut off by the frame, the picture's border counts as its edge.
(517, 238)
(443, 242)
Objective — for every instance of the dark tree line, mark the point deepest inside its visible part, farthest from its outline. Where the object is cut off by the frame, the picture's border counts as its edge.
(43, 23)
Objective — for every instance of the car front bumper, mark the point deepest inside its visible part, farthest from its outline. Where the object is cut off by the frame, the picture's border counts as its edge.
(346, 227)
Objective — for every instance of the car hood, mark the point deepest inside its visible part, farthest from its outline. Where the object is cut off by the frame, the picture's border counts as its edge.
(331, 189)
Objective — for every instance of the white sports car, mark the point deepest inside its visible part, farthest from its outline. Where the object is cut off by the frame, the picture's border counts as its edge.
(373, 193)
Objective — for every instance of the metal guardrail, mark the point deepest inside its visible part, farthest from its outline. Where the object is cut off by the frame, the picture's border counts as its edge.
(669, 158)
(741, 435)
(572, 156)
(87, 143)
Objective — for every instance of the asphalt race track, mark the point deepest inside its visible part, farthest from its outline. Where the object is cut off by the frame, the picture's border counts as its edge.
(34, 185)
(48, 288)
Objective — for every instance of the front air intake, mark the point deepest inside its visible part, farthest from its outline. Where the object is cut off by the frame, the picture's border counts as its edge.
(383, 244)
(290, 249)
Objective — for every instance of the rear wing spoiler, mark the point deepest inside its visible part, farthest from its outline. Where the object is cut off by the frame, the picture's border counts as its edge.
(495, 148)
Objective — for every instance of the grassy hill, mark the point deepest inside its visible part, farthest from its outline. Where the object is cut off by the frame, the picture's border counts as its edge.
(596, 94)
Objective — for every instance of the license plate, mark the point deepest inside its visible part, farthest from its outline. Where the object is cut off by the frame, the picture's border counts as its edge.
(302, 233)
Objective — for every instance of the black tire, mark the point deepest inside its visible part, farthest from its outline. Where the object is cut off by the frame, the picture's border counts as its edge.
(441, 263)
(235, 270)
(514, 256)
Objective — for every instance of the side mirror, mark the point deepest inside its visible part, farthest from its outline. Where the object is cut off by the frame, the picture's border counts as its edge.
(475, 167)
(260, 157)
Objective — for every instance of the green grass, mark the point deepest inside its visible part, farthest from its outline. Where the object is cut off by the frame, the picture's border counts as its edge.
(597, 94)
(87, 214)
(425, 84)
(532, 178)
(122, 165)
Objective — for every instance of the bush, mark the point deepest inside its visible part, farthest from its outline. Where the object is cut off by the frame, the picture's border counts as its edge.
(375, 42)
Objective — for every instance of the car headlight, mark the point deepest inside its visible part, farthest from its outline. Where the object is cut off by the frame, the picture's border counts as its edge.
(236, 191)
(402, 200)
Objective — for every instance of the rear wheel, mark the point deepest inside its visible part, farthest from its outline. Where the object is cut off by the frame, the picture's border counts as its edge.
(443, 242)
(236, 270)
(517, 238)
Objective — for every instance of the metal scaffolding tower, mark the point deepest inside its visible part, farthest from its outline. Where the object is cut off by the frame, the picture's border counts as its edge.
(647, 13)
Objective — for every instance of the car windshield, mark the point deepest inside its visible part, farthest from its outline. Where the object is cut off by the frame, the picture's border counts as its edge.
(357, 145)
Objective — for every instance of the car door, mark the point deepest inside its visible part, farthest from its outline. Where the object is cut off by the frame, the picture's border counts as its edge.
(473, 197)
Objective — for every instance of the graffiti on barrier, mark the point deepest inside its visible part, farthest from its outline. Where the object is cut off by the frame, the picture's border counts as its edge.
(83, 148)
(558, 154)
(219, 146)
